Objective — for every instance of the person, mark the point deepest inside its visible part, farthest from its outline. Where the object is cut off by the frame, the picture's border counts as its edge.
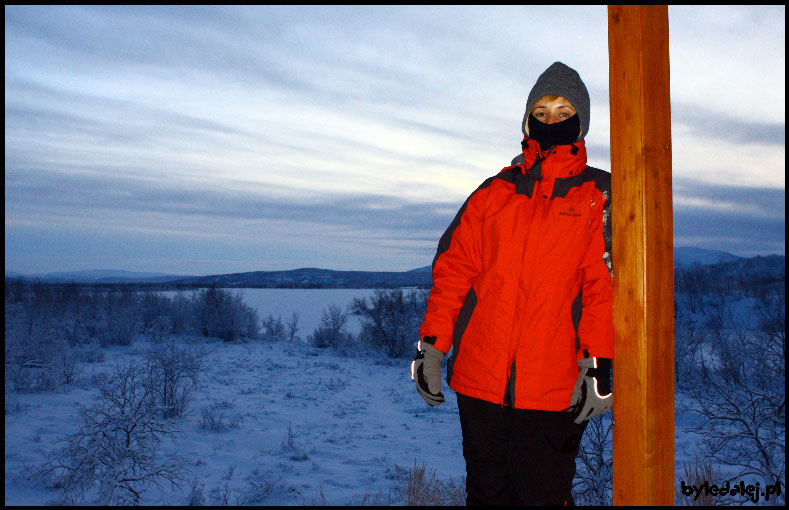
(522, 294)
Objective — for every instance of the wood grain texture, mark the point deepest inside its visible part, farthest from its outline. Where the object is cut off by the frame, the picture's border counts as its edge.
(643, 449)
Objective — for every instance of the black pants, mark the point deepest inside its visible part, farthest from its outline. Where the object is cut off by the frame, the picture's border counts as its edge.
(517, 457)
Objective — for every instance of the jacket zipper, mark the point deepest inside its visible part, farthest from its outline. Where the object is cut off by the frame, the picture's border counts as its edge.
(509, 391)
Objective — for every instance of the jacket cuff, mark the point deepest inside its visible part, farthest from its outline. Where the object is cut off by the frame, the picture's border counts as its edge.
(432, 340)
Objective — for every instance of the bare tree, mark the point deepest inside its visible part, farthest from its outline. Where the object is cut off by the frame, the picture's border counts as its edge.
(273, 328)
(292, 326)
(173, 372)
(120, 322)
(35, 353)
(688, 351)
(391, 320)
(218, 313)
(116, 448)
(771, 317)
(689, 282)
(741, 397)
(593, 484)
(332, 329)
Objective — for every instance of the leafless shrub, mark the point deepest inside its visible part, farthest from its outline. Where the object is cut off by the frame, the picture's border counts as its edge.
(593, 483)
(160, 326)
(115, 449)
(696, 474)
(294, 451)
(741, 399)
(218, 313)
(332, 330)
(196, 497)
(273, 329)
(119, 320)
(334, 384)
(34, 356)
(292, 326)
(771, 324)
(214, 417)
(390, 320)
(174, 372)
(690, 340)
(259, 487)
(70, 368)
(220, 495)
(421, 487)
(229, 471)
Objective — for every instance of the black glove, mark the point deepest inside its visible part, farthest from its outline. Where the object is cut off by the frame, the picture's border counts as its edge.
(592, 393)
(426, 371)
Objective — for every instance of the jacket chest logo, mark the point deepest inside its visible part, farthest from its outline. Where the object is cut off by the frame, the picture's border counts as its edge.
(570, 212)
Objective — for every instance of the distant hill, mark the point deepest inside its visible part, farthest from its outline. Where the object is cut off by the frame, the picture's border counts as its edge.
(314, 278)
(296, 278)
(98, 276)
(684, 257)
(688, 256)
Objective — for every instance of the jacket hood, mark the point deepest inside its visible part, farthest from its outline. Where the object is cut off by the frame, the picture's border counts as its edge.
(561, 80)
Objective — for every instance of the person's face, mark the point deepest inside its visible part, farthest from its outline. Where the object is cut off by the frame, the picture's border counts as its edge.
(551, 112)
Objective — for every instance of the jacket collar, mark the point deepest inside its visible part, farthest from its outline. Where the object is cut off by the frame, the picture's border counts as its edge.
(559, 161)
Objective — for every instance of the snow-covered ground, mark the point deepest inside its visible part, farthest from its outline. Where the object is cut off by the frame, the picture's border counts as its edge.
(309, 425)
(351, 420)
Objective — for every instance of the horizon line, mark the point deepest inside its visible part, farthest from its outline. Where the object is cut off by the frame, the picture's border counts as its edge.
(156, 274)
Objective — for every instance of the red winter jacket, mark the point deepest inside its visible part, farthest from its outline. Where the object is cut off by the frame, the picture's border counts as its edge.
(522, 281)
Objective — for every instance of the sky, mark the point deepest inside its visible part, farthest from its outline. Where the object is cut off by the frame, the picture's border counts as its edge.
(205, 140)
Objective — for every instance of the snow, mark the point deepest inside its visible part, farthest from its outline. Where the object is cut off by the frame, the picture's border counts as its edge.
(314, 426)
(353, 419)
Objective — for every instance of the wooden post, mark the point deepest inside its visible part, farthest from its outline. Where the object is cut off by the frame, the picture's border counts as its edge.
(643, 447)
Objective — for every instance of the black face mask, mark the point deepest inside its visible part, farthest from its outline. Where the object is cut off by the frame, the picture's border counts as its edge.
(560, 133)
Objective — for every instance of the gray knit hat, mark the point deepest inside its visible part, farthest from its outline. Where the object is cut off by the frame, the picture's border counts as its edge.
(562, 81)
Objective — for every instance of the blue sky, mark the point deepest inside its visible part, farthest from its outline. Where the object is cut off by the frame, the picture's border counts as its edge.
(202, 140)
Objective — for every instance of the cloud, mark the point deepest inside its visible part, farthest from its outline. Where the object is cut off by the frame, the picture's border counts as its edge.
(78, 198)
(730, 59)
(743, 221)
(33, 107)
(701, 210)
(706, 123)
(220, 227)
(362, 127)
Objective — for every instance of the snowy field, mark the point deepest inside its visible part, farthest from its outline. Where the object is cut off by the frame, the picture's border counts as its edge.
(351, 422)
(299, 425)
(316, 427)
